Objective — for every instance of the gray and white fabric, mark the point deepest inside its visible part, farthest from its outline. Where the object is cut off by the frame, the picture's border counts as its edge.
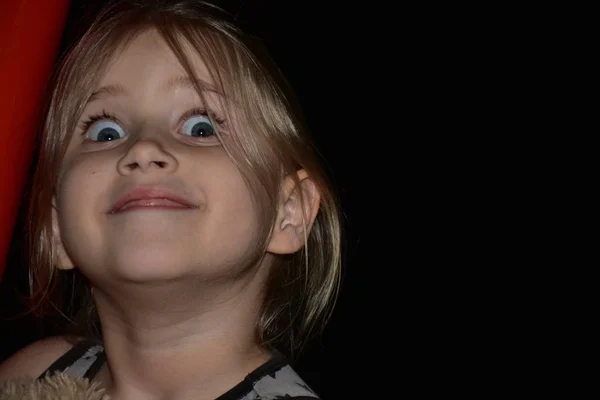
(274, 380)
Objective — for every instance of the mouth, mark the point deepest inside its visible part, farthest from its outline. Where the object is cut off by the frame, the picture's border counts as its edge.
(150, 198)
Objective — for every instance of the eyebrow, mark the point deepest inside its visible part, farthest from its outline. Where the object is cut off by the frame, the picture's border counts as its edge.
(106, 91)
(184, 82)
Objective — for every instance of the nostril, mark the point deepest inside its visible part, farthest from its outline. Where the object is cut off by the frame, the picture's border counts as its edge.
(160, 164)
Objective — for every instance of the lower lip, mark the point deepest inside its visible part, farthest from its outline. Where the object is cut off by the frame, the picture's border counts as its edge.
(152, 204)
(157, 208)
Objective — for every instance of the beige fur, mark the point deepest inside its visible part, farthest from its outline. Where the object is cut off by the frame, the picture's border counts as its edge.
(56, 387)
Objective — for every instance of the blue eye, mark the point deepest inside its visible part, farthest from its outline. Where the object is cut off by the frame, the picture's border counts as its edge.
(106, 130)
(198, 126)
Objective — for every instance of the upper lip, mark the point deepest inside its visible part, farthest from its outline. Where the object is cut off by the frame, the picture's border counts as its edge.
(147, 193)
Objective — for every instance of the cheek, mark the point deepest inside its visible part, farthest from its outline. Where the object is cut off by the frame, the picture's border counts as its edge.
(233, 201)
(79, 199)
(79, 179)
(234, 215)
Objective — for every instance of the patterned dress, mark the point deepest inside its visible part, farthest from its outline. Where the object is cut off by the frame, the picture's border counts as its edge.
(273, 380)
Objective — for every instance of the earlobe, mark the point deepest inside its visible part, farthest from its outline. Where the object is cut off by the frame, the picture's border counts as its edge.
(63, 261)
(297, 210)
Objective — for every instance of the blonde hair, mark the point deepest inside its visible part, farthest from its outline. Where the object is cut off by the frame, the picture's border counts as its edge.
(301, 289)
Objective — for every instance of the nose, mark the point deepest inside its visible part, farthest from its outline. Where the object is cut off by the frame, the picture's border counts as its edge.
(146, 156)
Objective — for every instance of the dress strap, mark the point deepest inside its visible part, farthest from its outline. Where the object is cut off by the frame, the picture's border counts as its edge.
(83, 360)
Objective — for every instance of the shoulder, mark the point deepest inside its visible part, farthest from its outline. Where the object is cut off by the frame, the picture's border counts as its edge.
(33, 359)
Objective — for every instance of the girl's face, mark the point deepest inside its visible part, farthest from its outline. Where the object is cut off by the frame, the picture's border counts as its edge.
(147, 192)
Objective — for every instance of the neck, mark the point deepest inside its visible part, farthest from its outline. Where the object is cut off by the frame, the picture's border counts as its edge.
(179, 339)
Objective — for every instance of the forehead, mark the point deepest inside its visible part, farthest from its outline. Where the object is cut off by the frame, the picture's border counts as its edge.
(148, 58)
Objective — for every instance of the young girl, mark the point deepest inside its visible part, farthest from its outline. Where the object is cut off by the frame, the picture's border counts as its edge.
(178, 195)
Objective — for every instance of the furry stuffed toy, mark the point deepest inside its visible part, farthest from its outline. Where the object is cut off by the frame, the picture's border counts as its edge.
(52, 387)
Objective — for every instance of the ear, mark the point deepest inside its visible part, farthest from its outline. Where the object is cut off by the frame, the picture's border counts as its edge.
(297, 210)
(63, 261)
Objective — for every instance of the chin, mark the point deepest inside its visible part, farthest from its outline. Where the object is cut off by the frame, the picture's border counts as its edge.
(149, 266)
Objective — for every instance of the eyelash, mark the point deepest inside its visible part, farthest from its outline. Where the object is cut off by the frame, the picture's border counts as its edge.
(200, 111)
(92, 119)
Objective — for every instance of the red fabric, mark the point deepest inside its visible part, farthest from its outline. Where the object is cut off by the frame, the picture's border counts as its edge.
(30, 33)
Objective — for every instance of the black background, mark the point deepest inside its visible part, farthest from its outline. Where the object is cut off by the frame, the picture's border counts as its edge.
(322, 49)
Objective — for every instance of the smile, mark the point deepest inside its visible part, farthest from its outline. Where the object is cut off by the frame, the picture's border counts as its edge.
(150, 198)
